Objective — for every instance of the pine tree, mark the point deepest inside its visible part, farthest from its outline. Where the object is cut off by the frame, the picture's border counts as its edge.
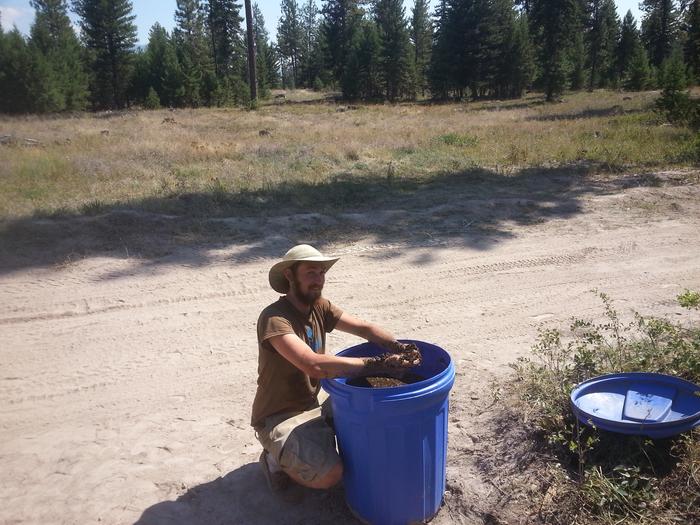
(227, 40)
(602, 37)
(454, 65)
(638, 74)
(266, 62)
(109, 34)
(158, 68)
(499, 21)
(157, 61)
(152, 99)
(362, 78)
(172, 92)
(627, 46)
(289, 39)
(576, 58)
(465, 20)
(57, 46)
(659, 27)
(311, 64)
(555, 21)
(474, 46)
(672, 73)
(442, 54)
(338, 32)
(692, 45)
(675, 102)
(192, 50)
(15, 73)
(519, 62)
(421, 38)
(395, 51)
(140, 78)
(44, 89)
(367, 56)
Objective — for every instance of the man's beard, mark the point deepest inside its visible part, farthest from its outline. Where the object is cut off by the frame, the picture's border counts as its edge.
(308, 298)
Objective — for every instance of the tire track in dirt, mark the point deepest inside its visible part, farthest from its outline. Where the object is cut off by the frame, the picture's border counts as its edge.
(87, 310)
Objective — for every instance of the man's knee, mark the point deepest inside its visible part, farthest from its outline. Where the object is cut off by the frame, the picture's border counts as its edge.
(331, 479)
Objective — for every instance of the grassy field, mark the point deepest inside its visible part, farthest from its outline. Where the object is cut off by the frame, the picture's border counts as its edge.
(223, 162)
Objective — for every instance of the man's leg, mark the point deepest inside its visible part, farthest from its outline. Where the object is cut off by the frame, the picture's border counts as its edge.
(276, 478)
(304, 447)
(327, 481)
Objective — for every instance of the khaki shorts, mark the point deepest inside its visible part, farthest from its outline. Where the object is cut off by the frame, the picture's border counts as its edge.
(302, 443)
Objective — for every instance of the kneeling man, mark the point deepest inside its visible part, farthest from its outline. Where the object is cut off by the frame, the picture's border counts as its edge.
(291, 422)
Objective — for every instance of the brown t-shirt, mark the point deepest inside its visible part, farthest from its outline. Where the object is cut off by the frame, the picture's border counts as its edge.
(282, 387)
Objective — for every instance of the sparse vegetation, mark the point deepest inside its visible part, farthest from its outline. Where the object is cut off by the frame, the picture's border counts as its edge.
(133, 159)
(689, 299)
(601, 477)
(458, 139)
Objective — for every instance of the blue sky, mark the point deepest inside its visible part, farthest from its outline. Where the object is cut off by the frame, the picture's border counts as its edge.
(21, 14)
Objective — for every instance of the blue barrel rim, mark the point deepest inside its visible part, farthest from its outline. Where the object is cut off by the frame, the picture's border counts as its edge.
(427, 386)
(658, 429)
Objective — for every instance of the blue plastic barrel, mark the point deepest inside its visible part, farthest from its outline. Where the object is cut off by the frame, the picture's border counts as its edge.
(393, 441)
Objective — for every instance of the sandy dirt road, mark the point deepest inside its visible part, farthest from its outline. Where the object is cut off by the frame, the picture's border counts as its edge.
(126, 385)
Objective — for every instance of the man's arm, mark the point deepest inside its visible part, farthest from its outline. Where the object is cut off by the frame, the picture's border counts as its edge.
(322, 366)
(369, 331)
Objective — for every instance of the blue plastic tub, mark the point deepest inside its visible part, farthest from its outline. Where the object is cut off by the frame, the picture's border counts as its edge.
(654, 405)
(393, 441)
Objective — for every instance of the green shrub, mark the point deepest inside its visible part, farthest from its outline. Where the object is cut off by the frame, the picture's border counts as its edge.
(240, 91)
(152, 100)
(458, 139)
(679, 108)
(689, 299)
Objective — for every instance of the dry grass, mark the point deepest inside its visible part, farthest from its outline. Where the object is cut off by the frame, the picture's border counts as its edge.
(89, 161)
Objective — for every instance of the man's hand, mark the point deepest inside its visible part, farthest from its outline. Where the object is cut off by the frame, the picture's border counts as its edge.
(409, 351)
(403, 360)
(402, 357)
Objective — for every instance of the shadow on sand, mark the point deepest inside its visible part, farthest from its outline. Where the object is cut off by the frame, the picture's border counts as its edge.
(477, 208)
(241, 496)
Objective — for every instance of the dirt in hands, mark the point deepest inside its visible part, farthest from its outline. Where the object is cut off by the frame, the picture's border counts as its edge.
(411, 353)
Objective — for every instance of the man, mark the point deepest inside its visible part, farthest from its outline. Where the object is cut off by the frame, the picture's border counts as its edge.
(290, 420)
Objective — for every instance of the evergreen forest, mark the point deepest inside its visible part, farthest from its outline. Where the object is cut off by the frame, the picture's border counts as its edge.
(368, 50)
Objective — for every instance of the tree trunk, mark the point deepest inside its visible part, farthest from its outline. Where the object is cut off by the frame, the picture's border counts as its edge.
(251, 52)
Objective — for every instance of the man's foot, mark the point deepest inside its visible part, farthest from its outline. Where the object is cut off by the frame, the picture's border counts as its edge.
(276, 479)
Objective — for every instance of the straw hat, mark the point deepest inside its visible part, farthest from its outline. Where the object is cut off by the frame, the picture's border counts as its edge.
(299, 253)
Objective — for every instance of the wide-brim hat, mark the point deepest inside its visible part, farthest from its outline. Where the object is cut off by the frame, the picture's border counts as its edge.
(299, 253)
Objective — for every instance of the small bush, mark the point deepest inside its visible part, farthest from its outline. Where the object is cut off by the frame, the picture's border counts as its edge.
(458, 139)
(679, 108)
(152, 100)
(689, 299)
(240, 91)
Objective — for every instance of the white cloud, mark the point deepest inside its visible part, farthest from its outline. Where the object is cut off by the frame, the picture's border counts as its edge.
(19, 16)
